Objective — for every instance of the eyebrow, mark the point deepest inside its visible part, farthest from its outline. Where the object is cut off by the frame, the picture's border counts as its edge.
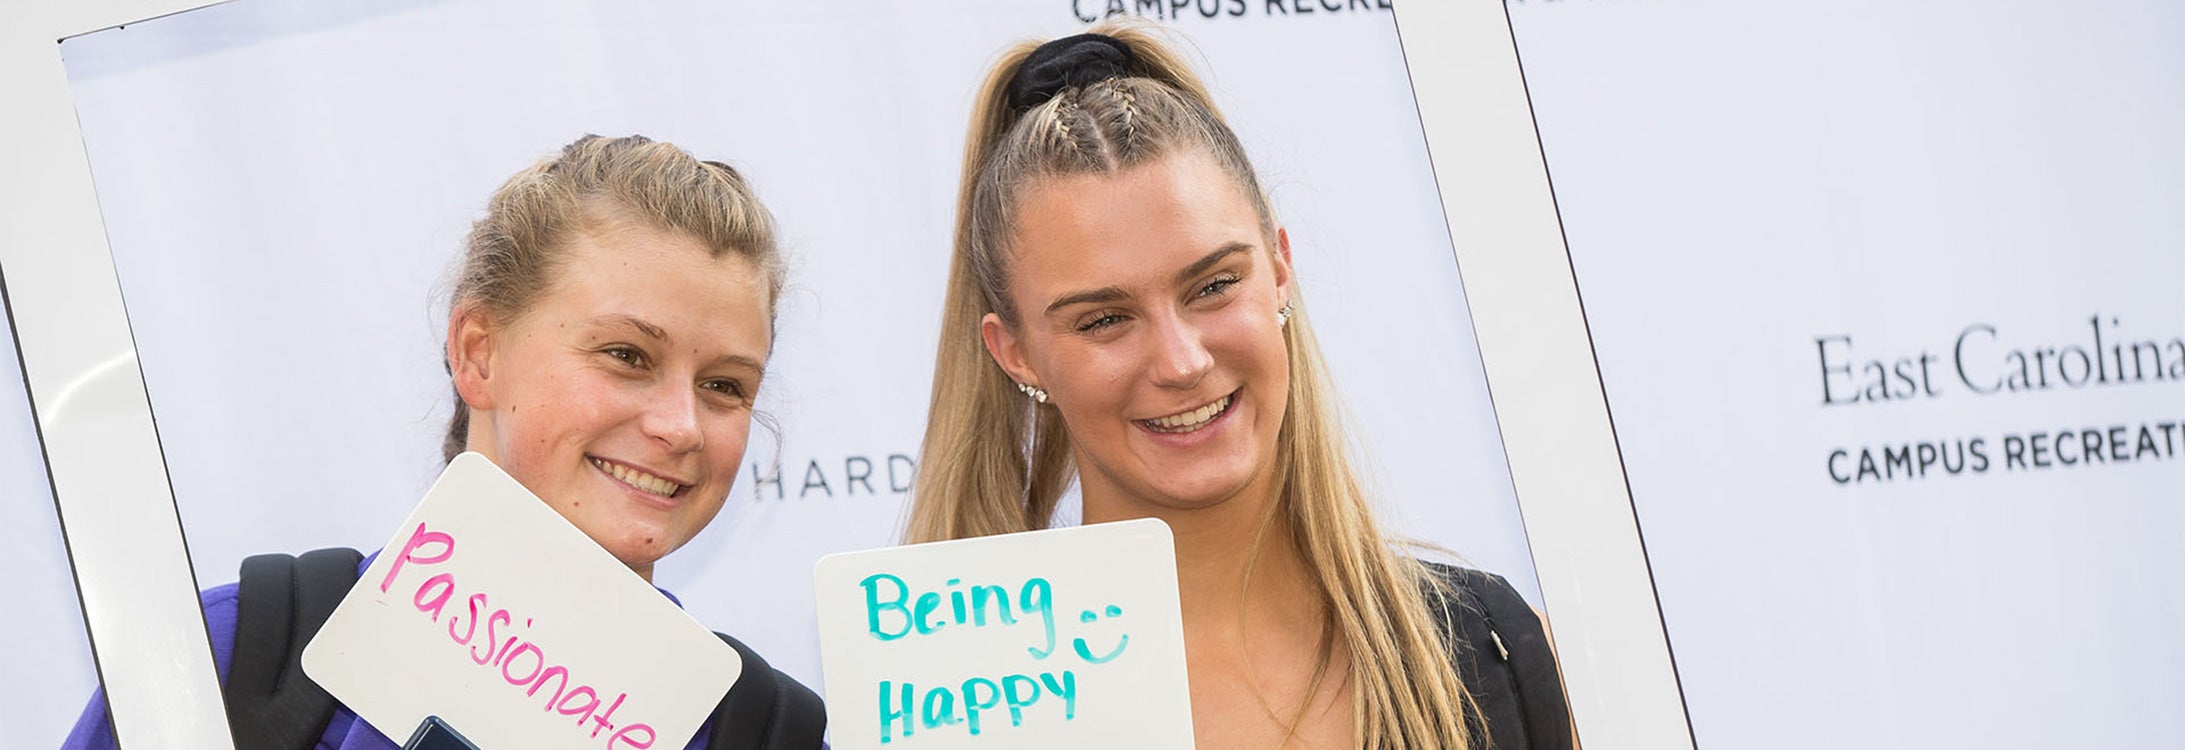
(756, 366)
(1113, 293)
(632, 321)
(1211, 260)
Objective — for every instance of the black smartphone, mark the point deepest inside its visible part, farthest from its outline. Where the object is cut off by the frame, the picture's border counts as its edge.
(434, 734)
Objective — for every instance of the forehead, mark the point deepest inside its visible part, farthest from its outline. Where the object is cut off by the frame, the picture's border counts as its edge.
(1142, 223)
(667, 279)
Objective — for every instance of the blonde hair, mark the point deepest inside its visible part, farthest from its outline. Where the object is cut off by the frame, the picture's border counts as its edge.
(995, 463)
(514, 251)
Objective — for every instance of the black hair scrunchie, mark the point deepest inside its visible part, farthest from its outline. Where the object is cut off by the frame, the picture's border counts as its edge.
(1072, 61)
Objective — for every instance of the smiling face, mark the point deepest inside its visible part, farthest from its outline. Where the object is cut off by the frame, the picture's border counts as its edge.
(1146, 305)
(623, 396)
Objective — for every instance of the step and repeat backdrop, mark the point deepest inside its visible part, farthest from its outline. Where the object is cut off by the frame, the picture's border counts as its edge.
(285, 186)
(1885, 298)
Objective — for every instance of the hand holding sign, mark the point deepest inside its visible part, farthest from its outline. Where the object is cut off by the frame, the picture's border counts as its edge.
(490, 610)
(1069, 638)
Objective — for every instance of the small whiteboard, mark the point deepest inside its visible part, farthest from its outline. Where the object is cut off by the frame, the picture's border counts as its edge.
(1069, 638)
(491, 611)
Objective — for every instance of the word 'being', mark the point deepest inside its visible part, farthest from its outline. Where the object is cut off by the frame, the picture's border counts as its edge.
(520, 663)
(893, 612)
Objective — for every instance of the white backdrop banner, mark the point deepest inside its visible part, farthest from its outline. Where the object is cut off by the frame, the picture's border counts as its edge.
(1885, 300)
(285, 185)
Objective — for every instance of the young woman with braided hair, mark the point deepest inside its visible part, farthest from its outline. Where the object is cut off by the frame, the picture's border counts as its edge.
(1121, 312)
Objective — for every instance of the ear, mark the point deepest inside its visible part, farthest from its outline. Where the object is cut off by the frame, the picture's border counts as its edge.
(470, 355)
(1281, 257)
(1007, 351)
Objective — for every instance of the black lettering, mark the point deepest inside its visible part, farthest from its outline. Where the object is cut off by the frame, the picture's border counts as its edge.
(1828, 394)
(1927, 378)
(2060, 443)
(2090, 446)
(2101, 366)
(1301, 7)
(2139, 368)
(1960, 464)
(1893, 458)
(2063, 366)
(1832, 473)
(1866, 465)
(1236, 8)
(2022, 379)
(760, 481)
(1152, 8)
(2116, 444)
(901, 483)
(1978, 448)
(1879, 389)
(1080, 12)
(2039, 442)
(1275, 5)
(1958, 354)
(856, 470)
(2146, 445)
(1331, 8)
(813, 477)
(2014, 452)
(1927, 454)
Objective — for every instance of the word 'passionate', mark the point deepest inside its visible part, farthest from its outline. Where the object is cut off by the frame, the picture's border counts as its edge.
(521, 663)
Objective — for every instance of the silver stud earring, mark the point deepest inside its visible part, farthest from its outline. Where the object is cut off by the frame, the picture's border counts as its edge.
(1282, 316)
(1037, 394)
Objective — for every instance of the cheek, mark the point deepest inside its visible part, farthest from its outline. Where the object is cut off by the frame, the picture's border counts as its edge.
(726, 442)
(565, 411)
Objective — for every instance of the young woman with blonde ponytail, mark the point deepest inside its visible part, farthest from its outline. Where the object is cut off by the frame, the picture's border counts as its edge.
(1121, 313)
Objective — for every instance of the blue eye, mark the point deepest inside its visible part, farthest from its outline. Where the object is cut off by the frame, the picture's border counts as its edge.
(1100, 322)
(1217, 286)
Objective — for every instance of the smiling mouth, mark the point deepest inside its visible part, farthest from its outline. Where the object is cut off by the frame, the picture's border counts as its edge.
(1190, 421)
(641, 480)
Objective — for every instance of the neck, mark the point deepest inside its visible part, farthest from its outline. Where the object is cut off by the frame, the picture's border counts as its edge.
(1235, 561)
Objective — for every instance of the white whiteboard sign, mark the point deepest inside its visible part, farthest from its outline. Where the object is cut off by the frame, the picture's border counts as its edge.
(1068, 638)
(491, 611)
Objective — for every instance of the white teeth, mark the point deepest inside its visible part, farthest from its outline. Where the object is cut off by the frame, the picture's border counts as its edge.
(1191, 420)
(639, 479)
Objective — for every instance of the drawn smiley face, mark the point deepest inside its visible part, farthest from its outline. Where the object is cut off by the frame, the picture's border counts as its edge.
(1088, 617)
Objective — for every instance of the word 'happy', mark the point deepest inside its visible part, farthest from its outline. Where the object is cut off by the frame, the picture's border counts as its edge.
(893, 613)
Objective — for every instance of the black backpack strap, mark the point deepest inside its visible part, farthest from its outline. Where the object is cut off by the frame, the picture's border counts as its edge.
(766, 710)
(1503, 655)
(280, 603)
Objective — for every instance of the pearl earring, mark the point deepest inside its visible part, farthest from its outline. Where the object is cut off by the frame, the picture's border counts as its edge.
(1037, 394)
(1282, 316)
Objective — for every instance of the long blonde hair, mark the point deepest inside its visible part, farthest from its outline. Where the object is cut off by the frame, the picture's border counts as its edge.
(993, 462)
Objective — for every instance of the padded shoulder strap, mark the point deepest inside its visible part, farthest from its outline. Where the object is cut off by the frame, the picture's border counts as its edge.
(766, 710)
(280, 603)
(1498, 638)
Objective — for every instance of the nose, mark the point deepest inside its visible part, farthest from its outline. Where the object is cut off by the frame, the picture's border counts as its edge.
(671, 417)
(1180, 358)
